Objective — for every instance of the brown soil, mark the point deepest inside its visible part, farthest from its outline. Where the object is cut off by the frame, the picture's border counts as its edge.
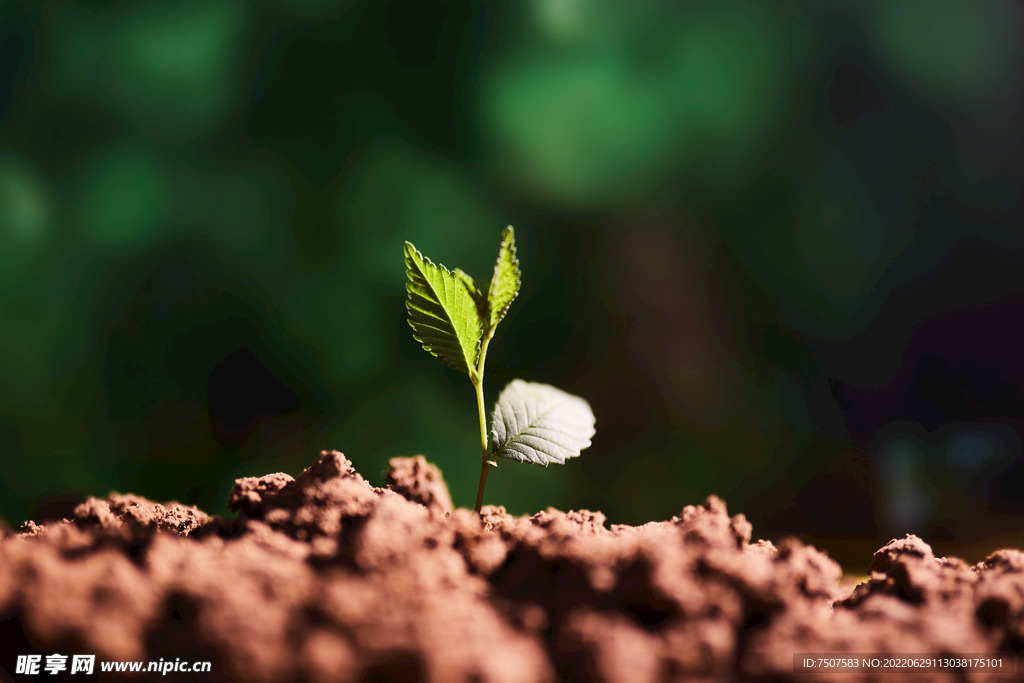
(326, 578)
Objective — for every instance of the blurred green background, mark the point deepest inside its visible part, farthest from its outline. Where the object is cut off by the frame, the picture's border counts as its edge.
(778, 247)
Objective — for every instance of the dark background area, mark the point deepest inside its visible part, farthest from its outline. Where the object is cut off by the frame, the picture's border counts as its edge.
(777, 246)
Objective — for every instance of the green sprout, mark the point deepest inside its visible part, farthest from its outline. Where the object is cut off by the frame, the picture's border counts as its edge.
(455, 322)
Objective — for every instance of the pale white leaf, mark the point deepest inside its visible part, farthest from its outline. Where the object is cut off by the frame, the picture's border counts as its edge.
(539, 423)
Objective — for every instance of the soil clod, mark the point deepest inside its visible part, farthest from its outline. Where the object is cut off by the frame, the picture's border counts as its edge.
(323, 577)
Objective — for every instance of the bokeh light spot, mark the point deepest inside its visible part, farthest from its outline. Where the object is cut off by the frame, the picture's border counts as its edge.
(24, 204)
(970, 449)
(560, 19)
(961, 50)
(167, 67)
(581, 128)
(599, 123)
(126, 197)
(906, 499)
(726, 69)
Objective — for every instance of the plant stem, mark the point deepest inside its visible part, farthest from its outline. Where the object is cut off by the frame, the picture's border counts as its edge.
(484, 469)
(478, 384)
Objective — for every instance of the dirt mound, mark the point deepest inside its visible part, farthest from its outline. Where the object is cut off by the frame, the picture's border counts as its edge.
(326, 578)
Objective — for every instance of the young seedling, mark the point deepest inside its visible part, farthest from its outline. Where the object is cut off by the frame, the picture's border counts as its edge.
(455, 321)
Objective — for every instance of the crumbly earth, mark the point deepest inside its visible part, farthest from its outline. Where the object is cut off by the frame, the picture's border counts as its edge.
(326, 578)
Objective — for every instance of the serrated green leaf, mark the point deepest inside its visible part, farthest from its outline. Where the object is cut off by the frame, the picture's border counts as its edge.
(442, 312)
(540, 424)
(480, 298)
(505, 281)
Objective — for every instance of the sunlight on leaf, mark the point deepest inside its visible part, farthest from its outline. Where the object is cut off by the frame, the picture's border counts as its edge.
(442, 312)
(505, 281)
(540, 424)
